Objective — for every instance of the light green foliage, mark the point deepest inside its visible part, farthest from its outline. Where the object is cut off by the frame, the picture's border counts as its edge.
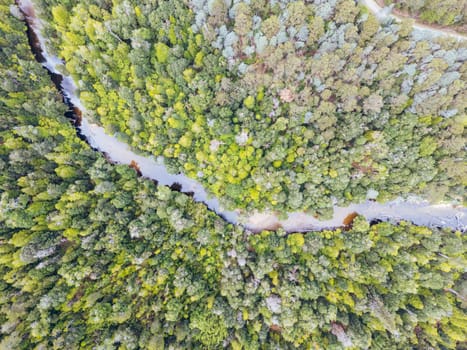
(162, 52)
(249, 102)
(427, 146)
(94, 257)
(60, 15)
(208, 328)
(346, 11)
(295, 241)
(305, 81)
(270, 26)
(243, 19)
(445, 12)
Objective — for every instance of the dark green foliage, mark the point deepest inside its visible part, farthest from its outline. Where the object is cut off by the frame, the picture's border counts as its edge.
(316, 100)
(94, 257)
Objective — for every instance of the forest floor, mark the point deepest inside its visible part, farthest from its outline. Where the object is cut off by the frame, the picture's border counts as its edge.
(378, 8)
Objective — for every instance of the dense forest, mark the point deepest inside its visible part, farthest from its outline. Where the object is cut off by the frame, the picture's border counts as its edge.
(312, 101)
(444, 12)
(93, 256)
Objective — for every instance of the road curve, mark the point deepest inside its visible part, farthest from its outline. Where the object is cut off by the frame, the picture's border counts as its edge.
(385, 13)
(415, 210)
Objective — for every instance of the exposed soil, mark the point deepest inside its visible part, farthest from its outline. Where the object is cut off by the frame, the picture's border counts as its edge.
(456, 29)
(415, 210)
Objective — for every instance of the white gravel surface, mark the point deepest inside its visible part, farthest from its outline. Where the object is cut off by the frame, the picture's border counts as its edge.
(412, 209)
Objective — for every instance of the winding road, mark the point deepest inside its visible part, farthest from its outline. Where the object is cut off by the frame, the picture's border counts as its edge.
(413, 209)
(385, 13)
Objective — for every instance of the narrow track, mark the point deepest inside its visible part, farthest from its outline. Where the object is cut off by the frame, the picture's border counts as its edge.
(385, 14)
(413, 209)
